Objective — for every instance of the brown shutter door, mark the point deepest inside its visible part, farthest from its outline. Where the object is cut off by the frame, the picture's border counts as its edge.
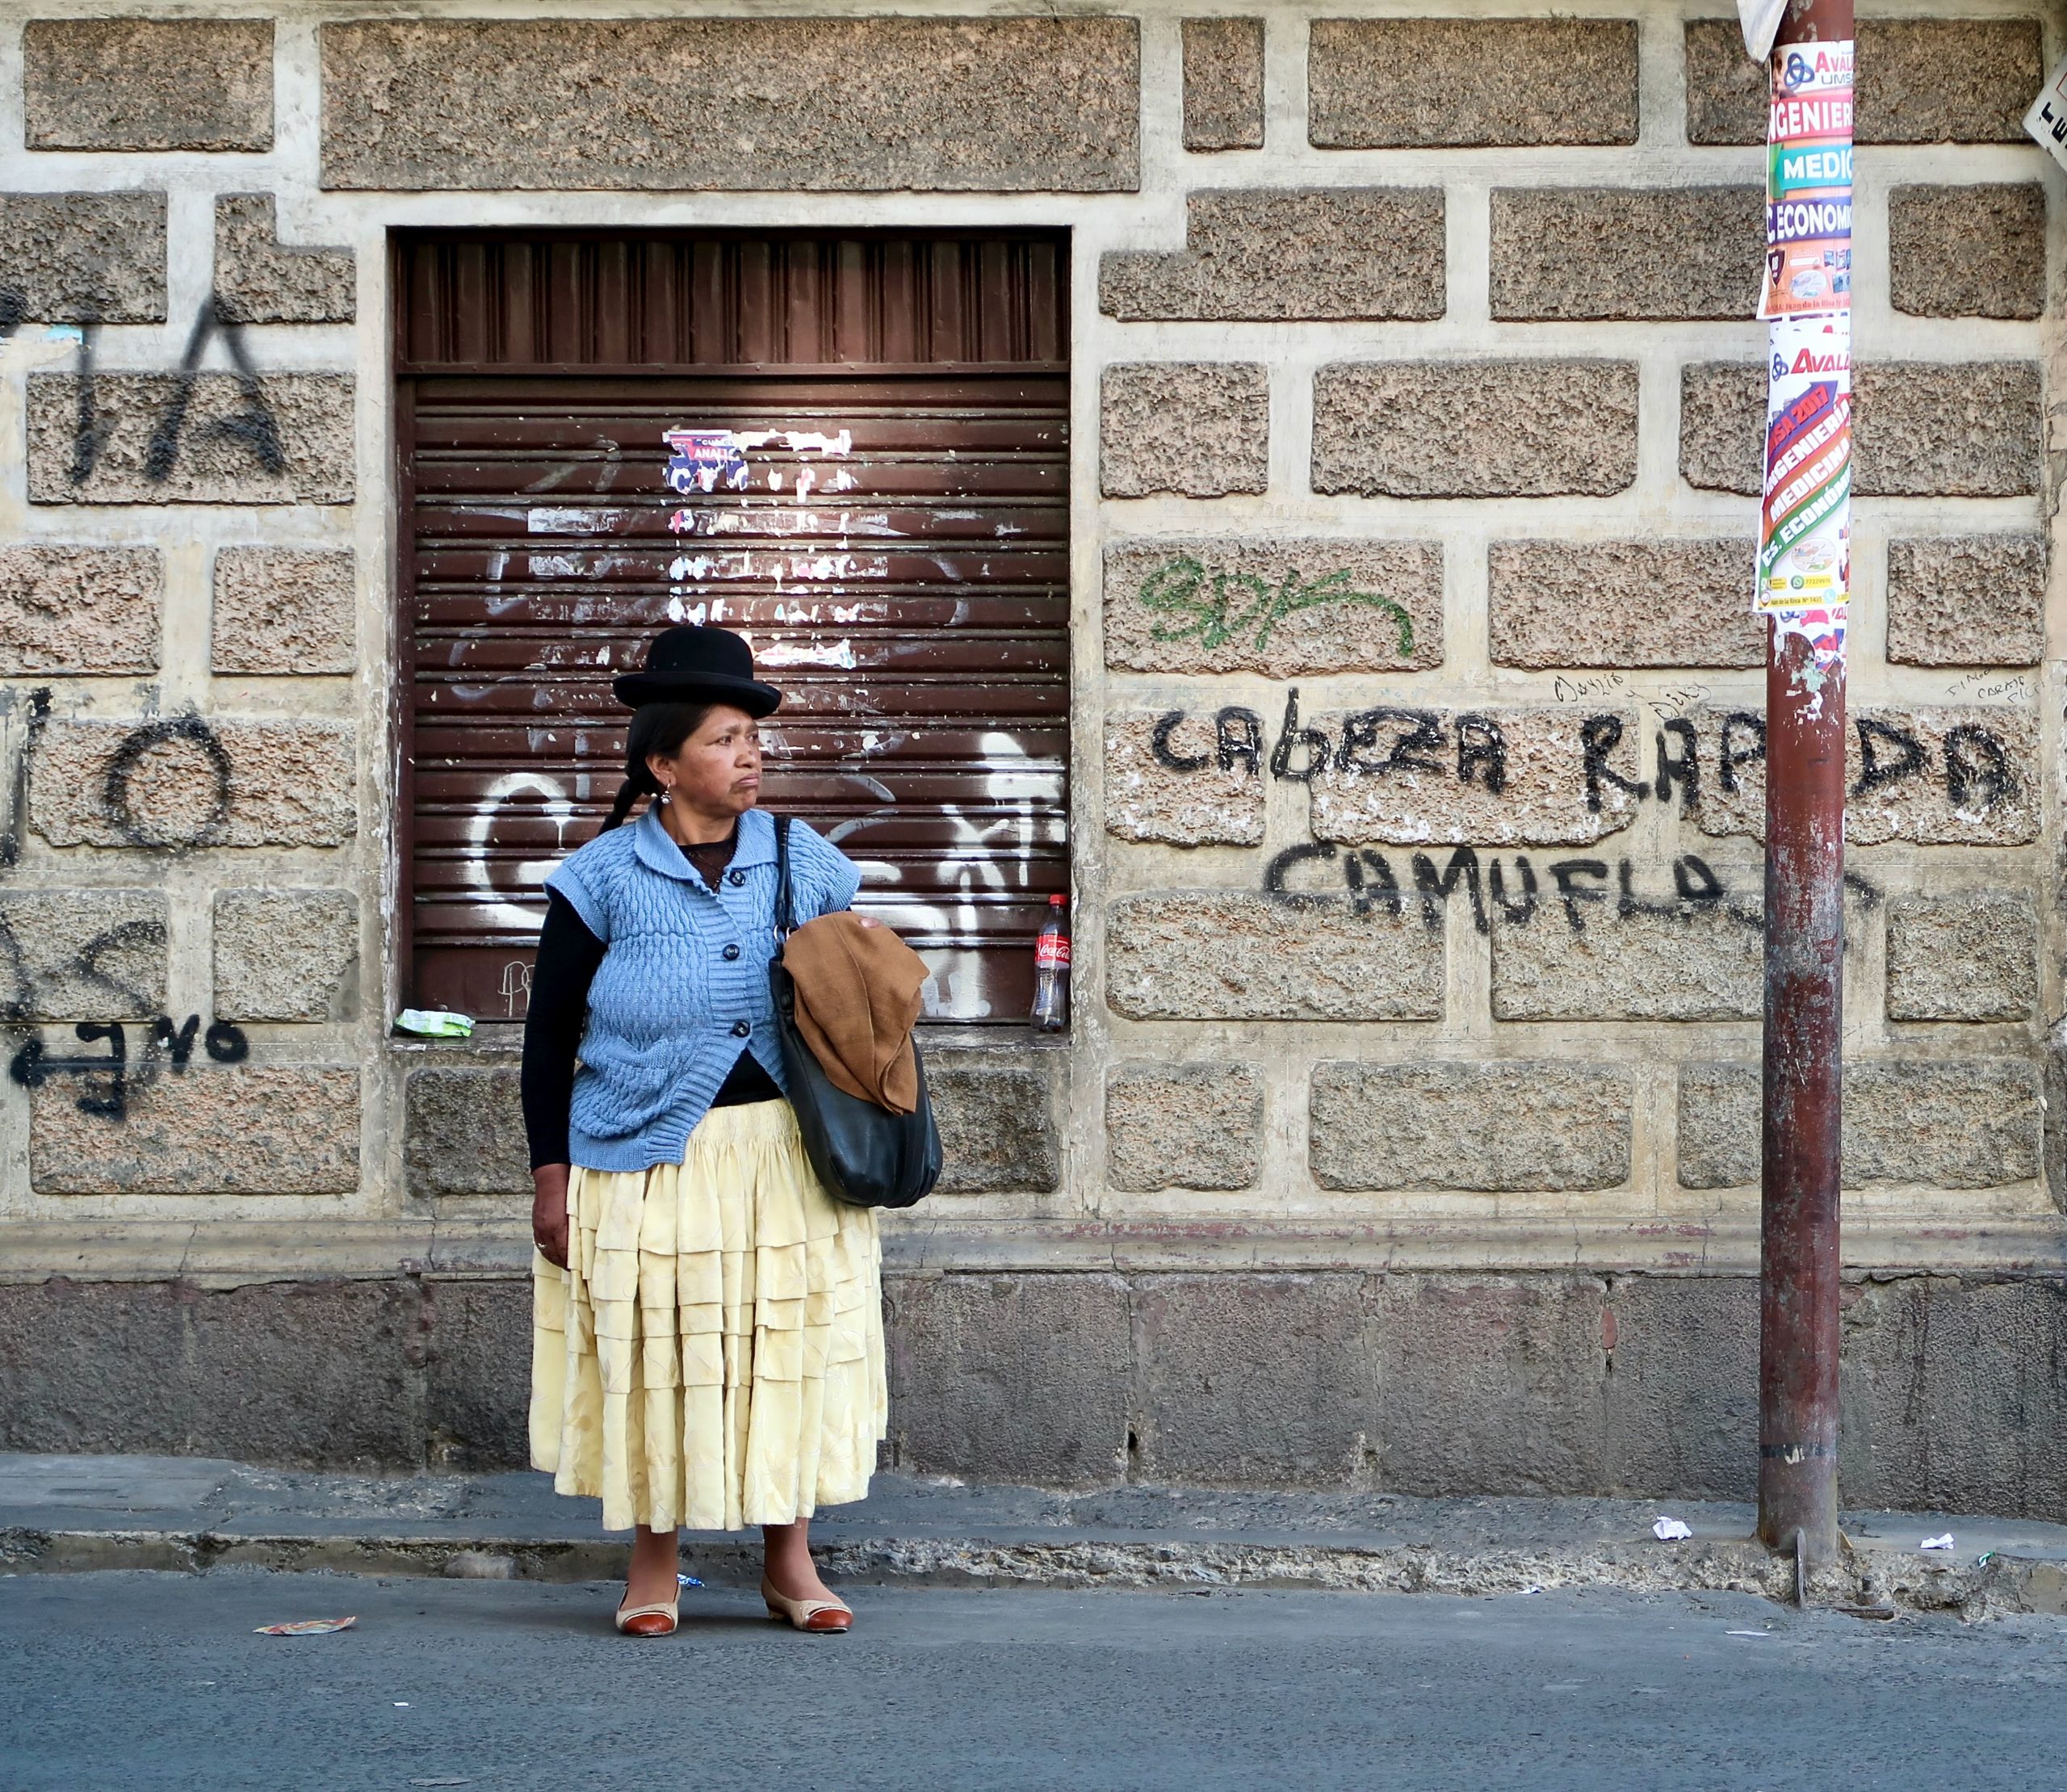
(889, 532)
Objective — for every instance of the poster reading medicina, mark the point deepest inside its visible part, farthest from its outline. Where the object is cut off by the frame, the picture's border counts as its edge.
(1804, 522)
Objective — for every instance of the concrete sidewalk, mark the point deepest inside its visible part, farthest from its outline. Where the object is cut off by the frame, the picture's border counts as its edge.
(186, 1515)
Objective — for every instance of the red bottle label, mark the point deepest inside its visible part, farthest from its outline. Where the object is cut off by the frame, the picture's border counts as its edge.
(1051, 952)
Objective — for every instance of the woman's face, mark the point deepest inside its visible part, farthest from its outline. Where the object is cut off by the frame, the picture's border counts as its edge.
(717, 772)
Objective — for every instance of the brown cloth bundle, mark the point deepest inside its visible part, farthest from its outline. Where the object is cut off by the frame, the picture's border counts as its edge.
(857, 1001)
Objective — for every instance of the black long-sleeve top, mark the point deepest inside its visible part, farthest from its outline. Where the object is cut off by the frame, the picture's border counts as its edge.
(568, 955)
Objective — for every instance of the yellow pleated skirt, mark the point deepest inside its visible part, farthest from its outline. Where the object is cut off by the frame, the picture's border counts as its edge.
(712, 1357)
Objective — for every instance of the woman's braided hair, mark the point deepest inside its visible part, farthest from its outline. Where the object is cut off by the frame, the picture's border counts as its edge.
(656, 728)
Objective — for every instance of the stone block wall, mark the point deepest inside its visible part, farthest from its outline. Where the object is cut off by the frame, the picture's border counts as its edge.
(1416, 741)
(1460, 853)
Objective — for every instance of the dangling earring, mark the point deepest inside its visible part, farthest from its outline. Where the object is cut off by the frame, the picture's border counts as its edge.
(667, 795)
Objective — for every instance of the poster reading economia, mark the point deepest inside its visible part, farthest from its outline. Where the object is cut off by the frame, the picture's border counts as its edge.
(1809, 182)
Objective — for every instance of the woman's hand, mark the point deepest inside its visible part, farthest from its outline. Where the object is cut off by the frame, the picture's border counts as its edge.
(549, 1212)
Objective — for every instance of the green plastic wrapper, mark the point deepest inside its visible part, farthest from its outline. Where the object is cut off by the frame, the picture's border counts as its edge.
(435, 1023)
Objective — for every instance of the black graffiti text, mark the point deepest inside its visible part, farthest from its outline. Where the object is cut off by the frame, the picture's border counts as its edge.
(1467, 747)
(1511, 889)
(109, 1081)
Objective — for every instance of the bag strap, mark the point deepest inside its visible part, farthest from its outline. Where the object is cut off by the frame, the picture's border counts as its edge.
(785, 909)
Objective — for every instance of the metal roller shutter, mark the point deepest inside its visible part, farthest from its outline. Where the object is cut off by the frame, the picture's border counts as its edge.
(869, 480)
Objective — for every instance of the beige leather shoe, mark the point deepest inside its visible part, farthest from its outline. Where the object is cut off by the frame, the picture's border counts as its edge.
(658, 1620)
(825, 1617)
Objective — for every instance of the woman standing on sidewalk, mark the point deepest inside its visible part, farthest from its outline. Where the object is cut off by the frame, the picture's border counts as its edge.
(707, 1337)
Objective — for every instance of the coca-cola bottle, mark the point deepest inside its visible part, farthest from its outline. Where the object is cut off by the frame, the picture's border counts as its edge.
(1051, 970)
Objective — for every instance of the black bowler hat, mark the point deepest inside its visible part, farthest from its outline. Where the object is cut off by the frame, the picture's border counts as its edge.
(693, 664)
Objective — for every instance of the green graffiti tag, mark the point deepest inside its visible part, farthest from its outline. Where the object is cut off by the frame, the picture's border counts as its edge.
(1216, 608)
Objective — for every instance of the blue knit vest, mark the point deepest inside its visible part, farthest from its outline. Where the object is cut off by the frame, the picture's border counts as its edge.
(683, 987)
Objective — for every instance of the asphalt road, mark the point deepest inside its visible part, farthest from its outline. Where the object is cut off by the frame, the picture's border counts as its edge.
(157, 1680)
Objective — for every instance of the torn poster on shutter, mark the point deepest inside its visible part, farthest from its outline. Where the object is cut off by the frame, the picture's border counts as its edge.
(704, 460)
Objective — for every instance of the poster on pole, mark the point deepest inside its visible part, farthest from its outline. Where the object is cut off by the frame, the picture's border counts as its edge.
(1809, 182)
(1805, 518)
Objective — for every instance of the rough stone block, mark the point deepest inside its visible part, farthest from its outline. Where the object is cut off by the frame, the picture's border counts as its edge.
(1231, 956)
(854, 105)
(1972, 956)
(477, 1374)
(1623, 603)
(1200, 429)
(1682, 960)
(1949, 1123)
(82, 955)
(1256, 1379)
(182, 781)
(148, 83)
(1718, 1125)
(1498, 1126)
(1564, 774)
(84, 610)
(1183, 1126)
(1951, 776)
(1224, 83)
(1282, 606)
(1597, 253)
(1920, 81)
(1471, 83)
(286, 954)
(301, 1375)
(86, 1366)
(291, 443)
(1951, 1396)
(1722, 408)
(997, 1127)
(285, 611)
(1975, 251)
(1682, 1392)
(1183, 779)
(464, 1133)
(1968, 429)
(1290, 253)
(82, 257)
(1727, 93)
(249, 1129)
(1492, 1385)
(259, 279)
(1967, 600)
(1565, 427)
(1010, 1378)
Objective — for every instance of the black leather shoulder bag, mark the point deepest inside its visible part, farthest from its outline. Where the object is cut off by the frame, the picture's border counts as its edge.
(865, 1155)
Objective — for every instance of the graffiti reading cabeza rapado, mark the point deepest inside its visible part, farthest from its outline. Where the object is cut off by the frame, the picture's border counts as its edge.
(1471, 748)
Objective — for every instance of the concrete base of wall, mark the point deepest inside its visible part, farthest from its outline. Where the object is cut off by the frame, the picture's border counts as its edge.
(1431, 1384)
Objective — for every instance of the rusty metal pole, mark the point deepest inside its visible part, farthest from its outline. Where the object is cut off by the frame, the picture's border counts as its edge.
(1804, 1014)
